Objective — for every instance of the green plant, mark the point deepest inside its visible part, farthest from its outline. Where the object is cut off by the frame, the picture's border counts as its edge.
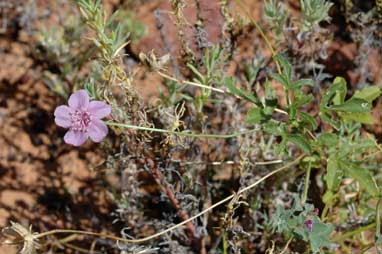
(199, 148)
(211, 76)
(314, 11)
(276, 15)
(301, 221)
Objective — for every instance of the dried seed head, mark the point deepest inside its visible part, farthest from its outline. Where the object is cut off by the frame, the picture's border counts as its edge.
(154, 63)
(18, 234)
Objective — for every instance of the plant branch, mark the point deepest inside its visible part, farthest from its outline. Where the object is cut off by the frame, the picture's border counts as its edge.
(185, 134)
(261, 32)
(164, 75)
(306, 187)
(144, 239)
(158, 177)
(353, 233)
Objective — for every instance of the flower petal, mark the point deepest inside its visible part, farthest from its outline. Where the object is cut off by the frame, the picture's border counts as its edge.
(99, 109)
(75, 138)
(97, 130)
(62, 116)
(79, 100)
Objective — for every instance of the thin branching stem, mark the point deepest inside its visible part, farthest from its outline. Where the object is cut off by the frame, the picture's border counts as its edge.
(261, 32)
(286, 246)
(306, 187)
(179, 133)
(219, 163)
(164, 75)
(353, 233)
(144, 239)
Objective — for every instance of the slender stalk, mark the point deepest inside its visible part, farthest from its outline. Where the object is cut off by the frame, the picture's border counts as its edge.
(225, 245)
(353, 233)
(158, 177)
(185, 134)
(286, 246)
(79, 249)
(378, 220)
(306, 187)
(164, 75)
(218, 163)
(367, 247)
(144, 239)
(325, 210)
(258, 163)
(328, 206)
(261, 32)
(81, 232)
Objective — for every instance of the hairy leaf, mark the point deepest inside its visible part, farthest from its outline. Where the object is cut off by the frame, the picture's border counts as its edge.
(365, 179)
(319, 237)
(354, 105)
(255, 116)
(368, 93)
(300, 141)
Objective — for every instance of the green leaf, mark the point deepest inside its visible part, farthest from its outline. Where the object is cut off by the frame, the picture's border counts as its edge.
(333, 174)
(336, 95)
(255, 116)
(319, 237)
(270, 100)
(300, 141)
(275, 128)
(353, 105)
(327, 197)
(308, 119)
(336, 92)
(90, 88)
(327, 118)
(252, 70)
(363, 176)
(286, 66)
(365, 118)
(292, 111)
(328, 139)
(339, 85)
(302, 99)
(197, 73)
(268, 110)
(302, 82)
(368, 93)
(270, 92)
(241, 93)
(282, 80)
(186, 97)
(278, 221)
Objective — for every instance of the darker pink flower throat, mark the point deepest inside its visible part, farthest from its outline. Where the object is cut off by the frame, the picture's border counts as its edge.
(80, 120)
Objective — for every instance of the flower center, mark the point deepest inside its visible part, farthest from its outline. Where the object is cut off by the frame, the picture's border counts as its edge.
(80, 120)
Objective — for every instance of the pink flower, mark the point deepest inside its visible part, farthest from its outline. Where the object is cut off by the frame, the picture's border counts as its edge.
(82, 118)
(309, 225)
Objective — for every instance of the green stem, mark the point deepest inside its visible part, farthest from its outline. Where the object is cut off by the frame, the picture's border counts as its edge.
(353, 233)
(186, 82)
(261, 32)
(378, 221)
(327, 206)
(325, 210)
(225, 245)
(286, 246)
(185, 134)
(287, 98)
(306, 187)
